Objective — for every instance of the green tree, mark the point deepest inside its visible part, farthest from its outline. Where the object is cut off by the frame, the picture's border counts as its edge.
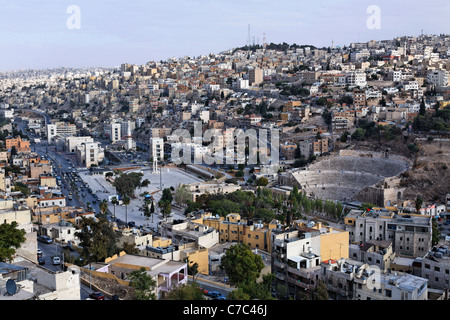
(359, 134)
(186, 292)
(422, 110)
(103, 206)
(165, 203)
(22, 187)
(97, 239)
(321, 291)
(192, 268)
(130, 248)
(152, 209)
(126, 184)
(11, 239)
(182, 195)
(145, 183)
(262, 182)
(259, 290)
(241, 264)
(238, 294)
(418, 204)
(436, 234)
(143, 284)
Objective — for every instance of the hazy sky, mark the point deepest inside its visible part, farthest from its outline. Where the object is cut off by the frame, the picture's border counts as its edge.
(34, 34)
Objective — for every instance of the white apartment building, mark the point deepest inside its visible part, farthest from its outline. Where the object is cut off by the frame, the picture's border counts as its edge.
(435, 267)
(114, 131)
(373, 94)
(395, 75)
(51, 202)
(411, 85)
(71, 143)
(438, 77)
(241, 84)
(7, 113)
(64, 129)
(348, 279)
(89, 153)
(359, 55)
(410, 234)
(391, 90)
(157, 148)
(126, 127)
(357, 78)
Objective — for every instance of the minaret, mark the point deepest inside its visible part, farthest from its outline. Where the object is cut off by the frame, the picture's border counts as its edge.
(129, 139)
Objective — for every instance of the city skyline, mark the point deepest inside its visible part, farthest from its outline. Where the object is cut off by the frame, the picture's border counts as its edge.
(37, 36)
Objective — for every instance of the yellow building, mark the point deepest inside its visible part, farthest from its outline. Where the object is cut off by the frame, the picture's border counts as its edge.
(233, 228)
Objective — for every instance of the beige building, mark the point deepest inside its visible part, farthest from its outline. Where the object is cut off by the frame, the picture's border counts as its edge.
(167, 273)
(255, 76)
(189, 231)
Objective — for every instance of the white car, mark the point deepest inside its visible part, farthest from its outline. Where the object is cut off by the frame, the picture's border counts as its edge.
(56, 260)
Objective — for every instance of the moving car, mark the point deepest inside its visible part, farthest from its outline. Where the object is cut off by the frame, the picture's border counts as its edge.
(97, 296)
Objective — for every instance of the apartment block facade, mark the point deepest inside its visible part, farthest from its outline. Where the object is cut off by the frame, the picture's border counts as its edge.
(410, 234)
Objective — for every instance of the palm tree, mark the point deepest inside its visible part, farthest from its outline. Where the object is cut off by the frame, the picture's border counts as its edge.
(115, 202)
(126, 201)
(103, 206)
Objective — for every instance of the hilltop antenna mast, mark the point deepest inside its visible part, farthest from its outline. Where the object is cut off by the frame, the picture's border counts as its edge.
(248, 37)
(264, 40)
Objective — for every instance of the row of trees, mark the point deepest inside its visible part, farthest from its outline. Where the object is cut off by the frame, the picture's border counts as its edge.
(265, 205)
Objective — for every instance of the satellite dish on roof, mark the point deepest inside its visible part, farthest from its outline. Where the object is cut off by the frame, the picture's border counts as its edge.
(11, 287)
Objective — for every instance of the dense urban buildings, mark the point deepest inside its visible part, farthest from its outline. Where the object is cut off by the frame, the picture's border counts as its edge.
(158, 158)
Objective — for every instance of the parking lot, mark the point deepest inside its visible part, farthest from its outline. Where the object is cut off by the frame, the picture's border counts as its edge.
(170, 177)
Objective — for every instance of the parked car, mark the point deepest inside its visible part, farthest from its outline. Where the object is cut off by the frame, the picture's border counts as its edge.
(41, 261)
(97, 296)
(203, 290)
(69, 246)
(39, 253)
(45, 239)
(216, 295)
(56, 261)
